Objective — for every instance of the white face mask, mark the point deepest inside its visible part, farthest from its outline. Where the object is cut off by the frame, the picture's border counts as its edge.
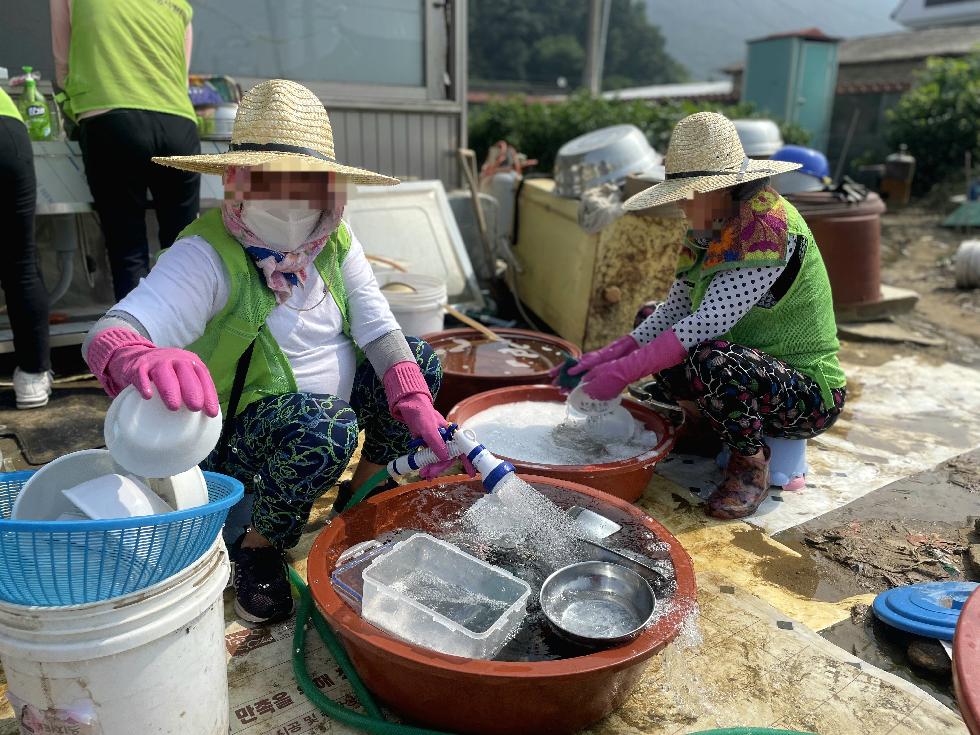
(282, 224)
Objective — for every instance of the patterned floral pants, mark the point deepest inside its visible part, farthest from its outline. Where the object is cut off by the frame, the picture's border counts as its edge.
(746, 394)
(290, 449)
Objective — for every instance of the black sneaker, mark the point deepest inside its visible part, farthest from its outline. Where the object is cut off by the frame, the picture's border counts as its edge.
(345, 492)
(262, 592)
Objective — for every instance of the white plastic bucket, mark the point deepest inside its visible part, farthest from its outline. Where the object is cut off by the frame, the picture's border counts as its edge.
(149, 662)
(968, 264)
(418, 311)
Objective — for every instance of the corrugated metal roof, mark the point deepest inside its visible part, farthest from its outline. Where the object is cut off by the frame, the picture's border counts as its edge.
(947, 41)
(673, 91)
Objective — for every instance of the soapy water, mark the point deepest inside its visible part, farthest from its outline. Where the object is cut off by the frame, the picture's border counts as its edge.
(536, 432)
(524, 532)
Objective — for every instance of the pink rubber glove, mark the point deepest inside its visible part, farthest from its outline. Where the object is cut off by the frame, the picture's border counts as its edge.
(121, 357)
(613, 351)
(410, 402)
(606, 381)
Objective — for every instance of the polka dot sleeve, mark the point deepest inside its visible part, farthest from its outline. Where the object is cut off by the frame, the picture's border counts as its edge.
(729, 297)
(676, 307)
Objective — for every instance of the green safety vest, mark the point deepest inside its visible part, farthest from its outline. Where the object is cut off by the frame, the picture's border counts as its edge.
(800, 329)
(242, 320)
(128, 54)
(7, 106)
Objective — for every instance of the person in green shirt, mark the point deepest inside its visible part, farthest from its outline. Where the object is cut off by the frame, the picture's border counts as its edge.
(122, 66)
(27, 300)
(746, 336)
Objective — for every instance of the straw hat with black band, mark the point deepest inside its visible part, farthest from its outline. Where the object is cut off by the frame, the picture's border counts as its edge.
(704, 155)
(282, 125)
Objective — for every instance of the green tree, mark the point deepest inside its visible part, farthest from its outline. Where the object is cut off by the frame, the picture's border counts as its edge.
(637, 50)
(537, 42)
(556, 56)
(938, 118)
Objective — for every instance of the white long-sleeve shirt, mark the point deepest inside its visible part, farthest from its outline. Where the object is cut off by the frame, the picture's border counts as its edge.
(729, 296)
(188, 287)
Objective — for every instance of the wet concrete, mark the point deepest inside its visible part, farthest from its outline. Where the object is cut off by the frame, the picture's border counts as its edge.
(885, 647)
(939, 499)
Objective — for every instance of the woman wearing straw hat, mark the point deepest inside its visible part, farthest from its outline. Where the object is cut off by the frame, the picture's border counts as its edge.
(747, 331)
(263, 307)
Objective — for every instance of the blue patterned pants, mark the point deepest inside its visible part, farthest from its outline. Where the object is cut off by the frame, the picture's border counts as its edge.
(290, 449)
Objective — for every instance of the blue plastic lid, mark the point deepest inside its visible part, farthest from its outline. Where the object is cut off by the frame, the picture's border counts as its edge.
(929, 609)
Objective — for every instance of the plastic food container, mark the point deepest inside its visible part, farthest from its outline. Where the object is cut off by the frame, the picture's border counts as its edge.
(432, 594)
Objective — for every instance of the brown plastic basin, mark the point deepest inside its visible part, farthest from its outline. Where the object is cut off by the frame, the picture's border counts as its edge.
(470, 371)
(488, 697)
(966, 662)
(849, 237)
(626, 479)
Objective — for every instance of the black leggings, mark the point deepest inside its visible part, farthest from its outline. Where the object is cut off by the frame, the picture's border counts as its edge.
(117, 147)
(27, 300)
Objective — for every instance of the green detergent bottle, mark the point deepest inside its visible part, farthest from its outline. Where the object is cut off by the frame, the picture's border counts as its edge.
(34, 110)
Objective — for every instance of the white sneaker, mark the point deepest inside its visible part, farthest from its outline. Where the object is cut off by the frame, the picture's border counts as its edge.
(32, 389)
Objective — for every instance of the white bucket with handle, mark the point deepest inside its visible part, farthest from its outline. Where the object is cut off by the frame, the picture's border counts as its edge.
(149, 662)
(417, 301)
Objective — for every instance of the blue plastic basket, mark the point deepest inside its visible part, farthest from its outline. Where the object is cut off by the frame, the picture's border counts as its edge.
(74, 562)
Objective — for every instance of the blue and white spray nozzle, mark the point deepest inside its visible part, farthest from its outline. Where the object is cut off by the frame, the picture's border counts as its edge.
(459, 443)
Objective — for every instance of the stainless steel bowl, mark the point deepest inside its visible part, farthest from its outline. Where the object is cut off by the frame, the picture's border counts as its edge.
(603, 156)
(596, 602)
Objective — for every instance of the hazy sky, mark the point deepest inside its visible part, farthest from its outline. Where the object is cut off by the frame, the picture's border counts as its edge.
(706, 35)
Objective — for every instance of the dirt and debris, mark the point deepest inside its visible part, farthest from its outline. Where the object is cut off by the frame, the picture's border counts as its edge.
(918, 254)
(965, 472)
(885, 554)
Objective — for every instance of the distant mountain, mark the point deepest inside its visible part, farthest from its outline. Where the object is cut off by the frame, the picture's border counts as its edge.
(707, 35)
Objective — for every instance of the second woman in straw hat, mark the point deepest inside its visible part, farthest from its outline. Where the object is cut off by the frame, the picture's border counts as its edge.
(268, 308)
(747, 336)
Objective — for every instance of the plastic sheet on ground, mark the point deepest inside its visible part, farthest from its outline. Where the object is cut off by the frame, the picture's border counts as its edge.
(901, 417)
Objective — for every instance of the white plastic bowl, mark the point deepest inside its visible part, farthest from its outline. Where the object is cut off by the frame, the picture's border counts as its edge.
(42, 499)
(150, 440)
(186, 490)
(115, 496)
(760, 138)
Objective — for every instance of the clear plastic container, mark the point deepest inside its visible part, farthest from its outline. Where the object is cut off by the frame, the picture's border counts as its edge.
(432, 594)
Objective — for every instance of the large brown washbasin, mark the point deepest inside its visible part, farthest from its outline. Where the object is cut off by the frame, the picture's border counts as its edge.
(488, 697)
(625, 479)
(472, 364)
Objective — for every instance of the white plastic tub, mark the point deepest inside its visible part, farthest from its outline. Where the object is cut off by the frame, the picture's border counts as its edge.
(968, 264)
(149, 662)
(416, 300)
(432, 594)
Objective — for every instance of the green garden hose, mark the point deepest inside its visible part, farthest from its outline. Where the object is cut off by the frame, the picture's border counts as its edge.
(374, 721)
(376, 479)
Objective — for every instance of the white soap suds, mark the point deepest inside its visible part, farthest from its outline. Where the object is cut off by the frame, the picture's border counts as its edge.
(529, 431)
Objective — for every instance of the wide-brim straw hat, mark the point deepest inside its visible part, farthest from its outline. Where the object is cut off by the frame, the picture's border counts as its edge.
(284, 125)
(704, 154)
